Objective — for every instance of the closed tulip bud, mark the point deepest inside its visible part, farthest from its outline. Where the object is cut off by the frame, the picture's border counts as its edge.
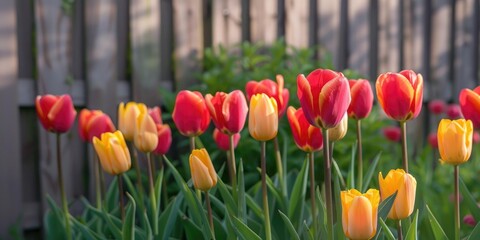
(263, 118)
(362, 99)
(324, 96)
(156, 114)
(203, 174)
(92, 123)
(223, 140)
(338, 132)
(228, 111)
(455, 140)
(436, 106)
(400, 94)
(145, 135)
(190, 114)
(272, 89)
(164, 139)
(56, 113)
(405, 185)
(127, 117)
(392, 133)
(307, 137)
(470, 105)
(454, 111)
(469, 220)
(112, 152)
(433, 140)
(359, 213)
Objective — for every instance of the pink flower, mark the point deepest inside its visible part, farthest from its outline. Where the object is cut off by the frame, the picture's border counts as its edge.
(454, 111)
(436, 106)
(228, 111)
(393, 133)
(56, 113)
(223, 140)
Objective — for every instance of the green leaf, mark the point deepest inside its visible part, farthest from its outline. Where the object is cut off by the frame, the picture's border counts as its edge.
(339, 173)
(111, 202)
(227, 197)
(308, 231)
(290, 227)
(475, 234)
(254, 206)
(436, 228)
(243, 230)
(129, 223)
(469, 200)
(372, 169)
(168, 218)
(86, 232)
(412, 230)
(276, 192)
(384, 209)
(297, 199)
(351, 172)
(158, 191)
(388, 233)
(242, 205)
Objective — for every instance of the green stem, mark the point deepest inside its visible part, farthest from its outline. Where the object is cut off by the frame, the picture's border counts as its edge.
(263, 163)
(164, 183)
(209, 210)
(152, 194)
(233, 168)
(312, 193)
(403, 126)
(399, 229)
(120, 195)
(98, 189)
(62, 189)
(457, 203)
(137, 170)
(281, 176)
(328, 183)
(359, 155)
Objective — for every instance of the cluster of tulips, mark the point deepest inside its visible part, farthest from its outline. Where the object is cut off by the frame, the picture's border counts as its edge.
(328, 99)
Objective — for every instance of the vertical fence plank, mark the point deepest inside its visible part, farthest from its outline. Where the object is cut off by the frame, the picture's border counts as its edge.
(390, 36)
(329, 29)
(296, 24)
(263, 21)
(188, 30)
(10, 166)
(227, 26)
(358, 12)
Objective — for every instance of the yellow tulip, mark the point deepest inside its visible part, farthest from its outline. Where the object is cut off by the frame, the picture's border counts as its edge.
(405, 185)
(359, 213)
(338, 132)
(455, 140)
(127, 116)
(145, 134)
(204, 176)
(263, 118)
(112, 152)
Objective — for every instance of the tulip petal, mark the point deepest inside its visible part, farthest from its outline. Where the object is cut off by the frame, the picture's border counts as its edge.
(235, 110)
(395, 95)
(360, 218)
(200, 174)
(305, 96)
(333, 101)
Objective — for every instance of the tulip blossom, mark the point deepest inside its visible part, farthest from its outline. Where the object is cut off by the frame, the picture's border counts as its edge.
(359, 213)
(263, 117)
(469, 220)
(191, 114)
(392, 133)
(338, 132)
(112, 152)
(433, 140)
(454, 111)
(92, 123)
(164, 134)
(228, 111)
(156, 114)
(145, 136)
(362, 99)
(470, 105)
(56, 113)
(455, 140)
(400, 94)
(127, 117)
(436, 106)
(203, 174)
(272, 89)
(476, 137)
(324, 96)
(405, 185)
(307, 137)
(223, 140)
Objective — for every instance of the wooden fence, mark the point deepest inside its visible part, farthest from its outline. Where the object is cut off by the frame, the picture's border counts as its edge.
(83, 48)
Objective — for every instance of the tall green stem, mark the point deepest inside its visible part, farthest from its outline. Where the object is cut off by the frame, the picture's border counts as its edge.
(120, 195)
(312, 193)
(281, 176)
(233, 168)
(192, 143)
(327, 165)
(268, 233)
(98, 189)
(164, 183)
(403, 126)
(399, 229)
(457, 203)
(137, 170)
(152, 194)
(209, 210)
(359, 155)
(62, 189)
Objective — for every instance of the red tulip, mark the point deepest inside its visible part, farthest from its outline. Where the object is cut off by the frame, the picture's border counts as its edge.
(164, 139)
(228, 111)
(307, 137)
(191, 113)
(469, 220)
(56, 113)
(400, 94)
(470, 105)
(436, 106)
(272, 89)
(325, 96)
(92, 123)
(362, 99)
(393, 133)
(454, 112)
(476, 137)
(433, 140)
(156, 114)
(223, 140)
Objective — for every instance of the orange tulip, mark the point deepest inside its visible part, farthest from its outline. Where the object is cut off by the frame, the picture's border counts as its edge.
(56, 113)
(190, 114)
(307, 137)
(405, 185)
(455, 139)
(145, 134)
(204, 176)
(272, 89)
(470, 105)
(263, 118)
(362, 99)
(112, 152)
(92, 123)
(359, 213)
(127, 117)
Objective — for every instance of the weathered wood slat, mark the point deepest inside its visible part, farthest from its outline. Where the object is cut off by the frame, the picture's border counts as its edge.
(227, 25)
(329, 29)
(296, 24)
(390, 36)
(358, 36)
(263, 21)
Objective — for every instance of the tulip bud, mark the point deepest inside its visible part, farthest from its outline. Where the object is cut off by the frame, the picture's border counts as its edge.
(190, 114)
(92, 123)
(433, 140)
(392, 133)
(156, 114)
(338, 132)
(112, 152)
(476, 137)
(359, 213)
(469, 220)
(455, 140)
(164, 139)
(127, 117)
(400, 94)
(145, 135)
(436, 106)
(454, 112)
(223, 140)
(263, 118)
(307, 137)
(56, 113)
(272, 89)
(405, 185)
(228, 111)
(362, 99)
(204, 176)
(470, 105)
